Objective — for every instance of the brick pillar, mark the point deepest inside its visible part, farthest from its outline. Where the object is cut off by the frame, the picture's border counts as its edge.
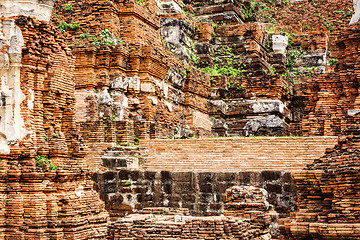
(125, 132)
(142, 129)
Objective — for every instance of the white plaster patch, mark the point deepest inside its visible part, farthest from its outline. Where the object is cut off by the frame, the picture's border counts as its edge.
(104, 97)
(279, 43)
(169, 6)
(169, 105)
(154, 100)
(353, 112)
(134, 83)
(45, 183)
(31, 99)
(10, 8)
(355, 18)
(79, 191)
(147, 87)
(4, 147)
(164, 87)
(126, 101)
(12, 127)
(120, 83)
(121, 102)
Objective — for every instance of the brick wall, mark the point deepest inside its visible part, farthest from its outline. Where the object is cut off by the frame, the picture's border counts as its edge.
(327, 207)
(233, 154)
(202, 193)
(168, 223)
(50, 197)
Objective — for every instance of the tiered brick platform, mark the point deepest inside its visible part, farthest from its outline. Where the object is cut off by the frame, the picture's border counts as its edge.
(328, 191)
(247, 217)
(203, 193)
(233, 154)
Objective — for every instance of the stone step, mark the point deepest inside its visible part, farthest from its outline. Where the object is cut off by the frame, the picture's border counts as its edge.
(121, 157)
(114, 153)
(120, 162)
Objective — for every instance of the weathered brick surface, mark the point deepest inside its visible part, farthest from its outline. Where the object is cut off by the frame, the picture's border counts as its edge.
(306, 18)
(247, 217)
(152, 100)
(163, 226)
(69, 78)
(328, 189)
(330, 97)
(233, 154)
(36, 200)
(125, 191)
(154, 96)
(250, 203)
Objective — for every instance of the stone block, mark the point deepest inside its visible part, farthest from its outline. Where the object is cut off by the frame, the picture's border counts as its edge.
(206, 188)
(182, 188)
(268, 106)
(174, 78)
(167, 188)
(110, 187)
(109, 176)
(270, 175)
(124, 174)
(150, 176)
(273, 188)
(279, 43)
(220, 187)
(135, 175)
(182, 176)
(165, 176)
(226, 177)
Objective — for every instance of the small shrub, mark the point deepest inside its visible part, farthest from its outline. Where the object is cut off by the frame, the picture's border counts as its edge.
(68, 7)
(63, 26)
(141, 2)
(105, 37)
(52, 166)
(249, 11)
(183, 74)
(332, 61)
(40, 160)
(136, 141)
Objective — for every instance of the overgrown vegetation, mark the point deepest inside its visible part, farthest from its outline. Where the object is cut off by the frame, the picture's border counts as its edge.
(141, 2)
(63, 26)
(249, 9)
(105, 38)
(68, 7)
(332, 61)
(292, 55)
(136, 141)
(43, 162)
(227, 70)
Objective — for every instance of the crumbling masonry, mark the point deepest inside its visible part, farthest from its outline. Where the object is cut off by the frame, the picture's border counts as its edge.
(147, 119)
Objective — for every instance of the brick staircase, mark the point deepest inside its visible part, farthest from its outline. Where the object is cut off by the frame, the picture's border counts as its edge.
(233, 154)
(121, 158)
